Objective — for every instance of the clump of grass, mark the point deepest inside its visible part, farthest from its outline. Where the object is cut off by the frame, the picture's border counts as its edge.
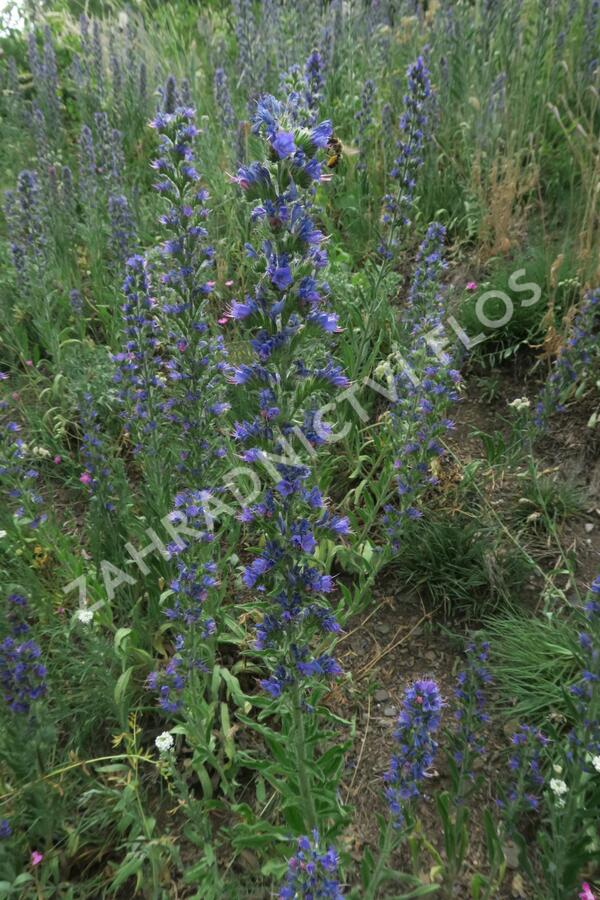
(533, 664)
(460, 566)
(547, 502)
(550, 271)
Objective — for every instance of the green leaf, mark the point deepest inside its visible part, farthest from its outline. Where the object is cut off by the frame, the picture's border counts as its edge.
(478, 882)
(122, 685)
(126, 871)
(120, 636)
(200, 770)
(235, 690)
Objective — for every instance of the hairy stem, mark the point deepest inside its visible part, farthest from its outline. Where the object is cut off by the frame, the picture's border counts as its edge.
(386, 849)
(306, 796)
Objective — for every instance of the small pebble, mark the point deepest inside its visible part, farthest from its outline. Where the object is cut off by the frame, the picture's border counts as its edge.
(589, 527)
(389, 710)
(381, 695)
(511, 855)
(517, 886)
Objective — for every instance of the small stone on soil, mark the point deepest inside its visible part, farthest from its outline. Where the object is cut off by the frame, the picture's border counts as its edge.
(389, 710)
(518, 888)
(511, 855)
(380, 696)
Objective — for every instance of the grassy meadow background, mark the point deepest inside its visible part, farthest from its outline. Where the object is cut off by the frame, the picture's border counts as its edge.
(349, 339)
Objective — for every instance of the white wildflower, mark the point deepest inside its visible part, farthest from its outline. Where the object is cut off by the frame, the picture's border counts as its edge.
(383, 370)
(520, 403)
(164, 742)
(559, 789)
(3, 534)
(84, 616)
(596, 763)
(40, 451)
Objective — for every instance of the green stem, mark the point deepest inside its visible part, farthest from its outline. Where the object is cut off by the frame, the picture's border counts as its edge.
(384, 496)
(377, 565)
(386, 850)
(308, 803)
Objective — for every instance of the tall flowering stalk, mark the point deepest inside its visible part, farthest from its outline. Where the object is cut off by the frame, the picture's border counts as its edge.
(51, 87)
(109, 153)
(44, 75)
(88, 180)
(170, 98)
(414, 124)
(418, 723)
(28, 236)
(122, 231)
(589, 55)
(139, 372)
(574, 359)
(315, 84)
(20, 476)
(190, 589)
(426, 386)
(223, 99)
(585, 739)
(327, 45)
(527, 778)
(42, 145)
(465, 745)
(303, 88)
(466, 741)
(526, 794)
(22, 673)
(288, 375)
(97, 60)
(182, 392)
(248, 43)
(96, 476)
(102, 480)
(415, 751)
(292, 86)
(195, 359)
(364, 119)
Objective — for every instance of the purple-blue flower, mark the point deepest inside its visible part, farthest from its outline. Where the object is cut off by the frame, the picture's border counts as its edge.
(411, 144)
(527, 779)
(418, 722)
(467, 738)
(312, 872)
(281, 396)
(283, 144)
(22, 672)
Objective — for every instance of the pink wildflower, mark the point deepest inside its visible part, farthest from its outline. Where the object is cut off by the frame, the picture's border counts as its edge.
(586, 893)
(36, 858)
(85, 478)
(471, 285)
